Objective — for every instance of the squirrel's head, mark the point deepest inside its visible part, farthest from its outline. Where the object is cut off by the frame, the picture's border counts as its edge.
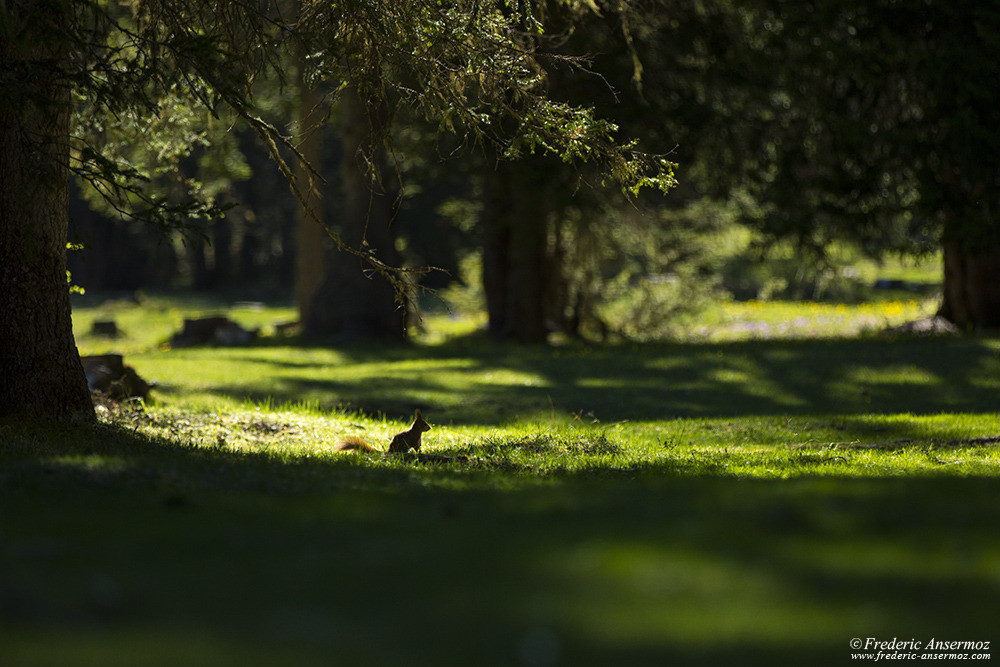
(419, 423)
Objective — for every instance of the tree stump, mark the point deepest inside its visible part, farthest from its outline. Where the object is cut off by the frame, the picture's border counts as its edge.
(108, 374)
(105, 328)
(208, 330)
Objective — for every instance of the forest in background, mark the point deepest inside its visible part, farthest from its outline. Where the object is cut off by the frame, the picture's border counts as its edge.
(806, 140)
(537, 139)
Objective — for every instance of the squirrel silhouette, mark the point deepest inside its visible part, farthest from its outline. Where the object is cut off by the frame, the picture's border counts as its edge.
(400, 444)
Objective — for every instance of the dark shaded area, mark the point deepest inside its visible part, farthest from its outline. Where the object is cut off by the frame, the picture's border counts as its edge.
(179, 553)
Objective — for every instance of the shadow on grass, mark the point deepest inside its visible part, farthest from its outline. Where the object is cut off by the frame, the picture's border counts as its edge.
(118, 548)
(464, 384)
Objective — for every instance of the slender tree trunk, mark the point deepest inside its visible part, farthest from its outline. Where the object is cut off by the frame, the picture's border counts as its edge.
(201, 275)
(222, 252)
(516, 261)
(350, 304)
(40, 371)
(311, 242)
(971, 286)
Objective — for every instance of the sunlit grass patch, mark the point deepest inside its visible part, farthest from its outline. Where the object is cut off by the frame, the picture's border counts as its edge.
(752, 320)
(761, 447)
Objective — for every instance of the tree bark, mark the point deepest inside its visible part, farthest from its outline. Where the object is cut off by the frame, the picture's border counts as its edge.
(496, 233)
(40, 371)
(971, 286)
(350, 304)
(517, 267)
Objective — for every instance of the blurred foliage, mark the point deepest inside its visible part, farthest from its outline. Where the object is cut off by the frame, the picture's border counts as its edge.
(871, 121)
(807, 138)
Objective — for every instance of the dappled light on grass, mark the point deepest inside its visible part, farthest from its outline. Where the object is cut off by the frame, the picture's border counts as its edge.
(499, 384)
(702, 503)
(474, 381)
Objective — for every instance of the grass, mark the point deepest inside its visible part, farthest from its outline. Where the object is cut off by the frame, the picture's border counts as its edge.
(729, 502)
(764, 320)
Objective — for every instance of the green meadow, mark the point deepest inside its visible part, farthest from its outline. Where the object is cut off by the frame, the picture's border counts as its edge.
(740, 496)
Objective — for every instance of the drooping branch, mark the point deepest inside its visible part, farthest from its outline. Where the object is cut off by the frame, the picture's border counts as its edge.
(477, 67)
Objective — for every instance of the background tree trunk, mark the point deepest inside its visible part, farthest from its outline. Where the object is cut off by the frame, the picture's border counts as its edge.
(349, 304)
(517, 267)
(311, 241)
(40, 370)
(496, 233)
(971, 286)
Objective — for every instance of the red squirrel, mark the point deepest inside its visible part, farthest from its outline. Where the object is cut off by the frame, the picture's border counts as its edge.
(401, 442)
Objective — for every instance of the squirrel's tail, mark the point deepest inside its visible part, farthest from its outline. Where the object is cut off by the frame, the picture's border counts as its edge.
(353, 443)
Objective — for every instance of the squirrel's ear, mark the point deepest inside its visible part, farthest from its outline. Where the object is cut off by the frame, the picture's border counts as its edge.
(417, 414)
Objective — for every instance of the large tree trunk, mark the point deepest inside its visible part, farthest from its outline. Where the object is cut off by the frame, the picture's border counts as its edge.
(971, 286)
(351, 304)
(517, 266)
(40, 371)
